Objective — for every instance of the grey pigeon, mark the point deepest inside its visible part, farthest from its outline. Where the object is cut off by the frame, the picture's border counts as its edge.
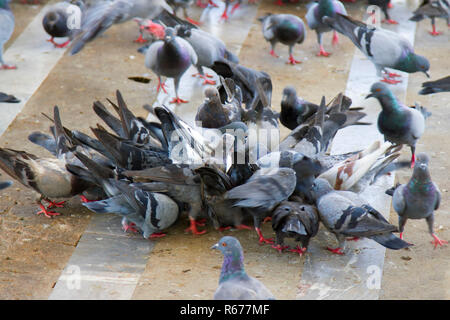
(247, 80)
(345, 214)
(177, 181)
(6, 30)
(102, 15)
(432, 9)
(207, 47)
(170, 58)
(294, 219)
(398, 123)
(213, 114)
(440, 85)
(418, 199)
(295, 110)
(47, 176)
(285, 28)
(306, 169)
(234, 282)
(265, 189)
(56, 24)
(8, 98)
(385, 48)
(314, 15)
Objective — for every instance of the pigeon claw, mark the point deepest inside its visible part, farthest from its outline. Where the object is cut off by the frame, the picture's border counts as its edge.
(389, 21)
(263, 240)
(211, 3)
(293, 61)
(353, 239)
(161, 85)
(140, 39)
(85, 200)
(273, 54)
(322, 52)
(336, 250)
(193, 226)
(178, 100)
(390, 81)
(267, 219)
(234, 8)
(157, 235)
(224, 228)
(438, 241)
(7, 67)
(298, 250)
(46, 212)
(242, 227)
(279, 247)
(129, 226)
(224, 15)
(53, 204)
(435, 33)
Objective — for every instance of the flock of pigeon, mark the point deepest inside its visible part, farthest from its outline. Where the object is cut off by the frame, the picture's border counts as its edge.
(150, 173)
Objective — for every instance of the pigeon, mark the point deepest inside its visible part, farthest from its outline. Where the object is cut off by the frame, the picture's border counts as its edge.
(8, 98)
(212, 114)
(189, 146)
(207, 47)
(150, 212)
(102, 15)
(177, 181)
(356, 173)
(55, 21)
(246, 79)
(6, 30)
(398, 123)
(265, 189)
(441, 85)
(234, 283)
(294, 219)
(314, 15)
(285, 28)
(385, 48)
(418, 199)
(383, 5)
(345, 214)
(432, 9)
(306, 169)
(171, 58)
(47, 176)
(215, 184)
(295, 110)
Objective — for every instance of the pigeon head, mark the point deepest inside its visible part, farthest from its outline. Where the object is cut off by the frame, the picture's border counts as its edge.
(154, 29)
(233, 262)
(422, 64)
(52, 17)
(289, 95)
(319, 188)
(211, 93)
(421, 165)
(378, 90)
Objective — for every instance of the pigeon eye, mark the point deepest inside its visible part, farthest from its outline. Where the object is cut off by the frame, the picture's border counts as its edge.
(224, 244)
(378, 90)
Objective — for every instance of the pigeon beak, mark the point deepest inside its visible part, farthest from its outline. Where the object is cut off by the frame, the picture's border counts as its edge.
(216, 246)
(370, 96)
(426, 73)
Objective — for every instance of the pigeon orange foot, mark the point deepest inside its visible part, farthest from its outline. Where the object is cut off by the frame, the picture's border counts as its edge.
(323, 53)
(46, 212)
(140, 39)
(438, 241)
(193, 226)
(129, 226)
(279, 247)
(157, 235)
(178, 100)
(273, 54)
(53, 204)
(7, 67)
(389, 21)
(336, 250)
(298, 250)
(292, 61)
(263, 240)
